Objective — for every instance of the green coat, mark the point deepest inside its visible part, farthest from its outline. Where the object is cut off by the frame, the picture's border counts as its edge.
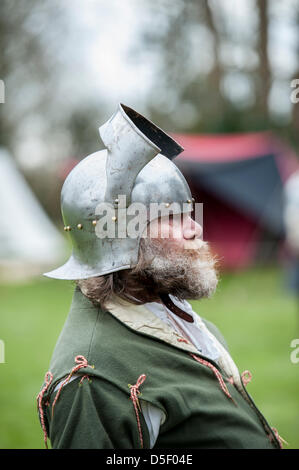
(121, 345)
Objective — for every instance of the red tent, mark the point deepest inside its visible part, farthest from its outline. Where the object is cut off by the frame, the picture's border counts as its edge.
(239, 178)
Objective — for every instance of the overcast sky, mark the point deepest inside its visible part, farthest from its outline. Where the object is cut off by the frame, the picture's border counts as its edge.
(107, 31)
(98, 67)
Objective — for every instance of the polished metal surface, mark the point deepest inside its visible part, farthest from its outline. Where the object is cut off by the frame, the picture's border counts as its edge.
(131, 166)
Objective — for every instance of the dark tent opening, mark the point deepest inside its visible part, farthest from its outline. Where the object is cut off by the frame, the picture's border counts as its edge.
(239, 179)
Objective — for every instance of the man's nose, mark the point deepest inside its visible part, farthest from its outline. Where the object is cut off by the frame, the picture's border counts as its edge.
(191, 229)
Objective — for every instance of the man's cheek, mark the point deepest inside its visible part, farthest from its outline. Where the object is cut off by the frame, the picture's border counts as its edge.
(176, 232)
(190, 245)
(166, 232)
(176, 244)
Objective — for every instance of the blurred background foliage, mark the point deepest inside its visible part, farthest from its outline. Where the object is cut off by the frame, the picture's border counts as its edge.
(196, 66)
(251, 310)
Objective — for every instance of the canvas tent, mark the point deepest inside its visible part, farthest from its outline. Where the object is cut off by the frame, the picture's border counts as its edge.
(29, 242)
(239, 178)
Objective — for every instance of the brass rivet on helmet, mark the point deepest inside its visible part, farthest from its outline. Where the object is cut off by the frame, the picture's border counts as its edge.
(80, 226)
(94, 223)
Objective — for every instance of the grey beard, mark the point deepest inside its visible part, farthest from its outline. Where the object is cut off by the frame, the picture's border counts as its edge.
(184, 273)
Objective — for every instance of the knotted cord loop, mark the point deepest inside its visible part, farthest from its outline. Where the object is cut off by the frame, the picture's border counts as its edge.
(183, 340)
(84, 377)
(82, 363)
(217, 374)
(246, 377)
(134, 397)
(279, 438)
(48, 380)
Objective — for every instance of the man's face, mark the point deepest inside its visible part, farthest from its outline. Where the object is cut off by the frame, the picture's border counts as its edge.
(178, 260)
(178, 231)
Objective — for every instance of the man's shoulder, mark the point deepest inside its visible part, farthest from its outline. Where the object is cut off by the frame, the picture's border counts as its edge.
(86, 324)
(106, 341)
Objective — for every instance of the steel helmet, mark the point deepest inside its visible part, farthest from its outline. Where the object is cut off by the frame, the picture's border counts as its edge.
(135, 168)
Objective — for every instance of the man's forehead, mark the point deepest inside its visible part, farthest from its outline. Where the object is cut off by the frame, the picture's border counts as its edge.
(170, 217)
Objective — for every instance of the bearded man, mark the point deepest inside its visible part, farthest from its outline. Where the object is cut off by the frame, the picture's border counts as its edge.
(135, 366)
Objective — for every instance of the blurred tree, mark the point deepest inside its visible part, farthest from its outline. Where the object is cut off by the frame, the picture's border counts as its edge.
(25, 63)
(83, 125)
(295, 107)
(264, 71)
(29, 31)
(40, 123)
(214, 74)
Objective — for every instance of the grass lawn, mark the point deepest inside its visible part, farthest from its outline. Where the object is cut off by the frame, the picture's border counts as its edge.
(259, 320)
(251, 309)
